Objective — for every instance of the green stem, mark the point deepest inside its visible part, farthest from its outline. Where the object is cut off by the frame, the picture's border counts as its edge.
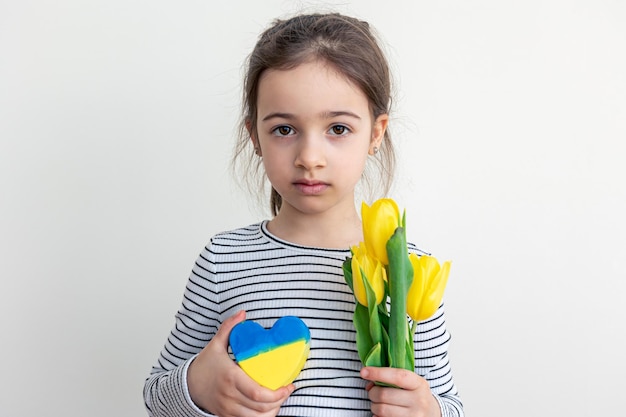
(400, 278)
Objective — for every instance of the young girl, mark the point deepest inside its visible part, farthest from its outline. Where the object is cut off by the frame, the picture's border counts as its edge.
(316, 105)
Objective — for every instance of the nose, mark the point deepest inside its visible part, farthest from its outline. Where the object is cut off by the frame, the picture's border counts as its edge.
(310, 153)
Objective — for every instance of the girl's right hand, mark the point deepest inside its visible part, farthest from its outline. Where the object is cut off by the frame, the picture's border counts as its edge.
(219, 386)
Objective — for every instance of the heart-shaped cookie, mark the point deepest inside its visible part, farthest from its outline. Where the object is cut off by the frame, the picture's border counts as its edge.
(272, 357)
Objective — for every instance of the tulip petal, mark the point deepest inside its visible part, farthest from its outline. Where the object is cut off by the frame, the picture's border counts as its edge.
(378, 282)
(365, 268)
(374, 320)
(414, 295)
(429, 284)
(357, 280)
(379, 222)
(431, 266)
(434, 294)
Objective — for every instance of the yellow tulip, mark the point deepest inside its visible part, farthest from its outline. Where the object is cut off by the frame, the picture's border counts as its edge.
(364, 264)
(379, 222)
(426, 291)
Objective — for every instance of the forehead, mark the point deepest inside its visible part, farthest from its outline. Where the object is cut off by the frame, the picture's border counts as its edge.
(311, 86)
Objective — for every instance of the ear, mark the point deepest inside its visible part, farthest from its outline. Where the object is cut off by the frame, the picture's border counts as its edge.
(253, 138)
(378, 132)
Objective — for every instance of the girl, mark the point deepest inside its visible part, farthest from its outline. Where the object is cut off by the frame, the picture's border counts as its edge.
(316, 105)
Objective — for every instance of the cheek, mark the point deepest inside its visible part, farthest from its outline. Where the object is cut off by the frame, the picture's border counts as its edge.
(352, 168)
(274, 166)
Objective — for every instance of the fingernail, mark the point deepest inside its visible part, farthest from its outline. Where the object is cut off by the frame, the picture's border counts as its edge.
(365, 373)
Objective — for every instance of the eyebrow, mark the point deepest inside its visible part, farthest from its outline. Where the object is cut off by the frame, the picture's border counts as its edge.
(324, 115)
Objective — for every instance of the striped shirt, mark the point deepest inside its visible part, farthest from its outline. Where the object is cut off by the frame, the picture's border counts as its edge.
(250, 269)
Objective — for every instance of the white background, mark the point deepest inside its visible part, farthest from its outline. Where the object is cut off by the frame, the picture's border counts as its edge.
(117, 121)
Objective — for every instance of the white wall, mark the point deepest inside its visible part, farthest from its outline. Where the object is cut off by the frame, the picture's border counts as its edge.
(116, 123)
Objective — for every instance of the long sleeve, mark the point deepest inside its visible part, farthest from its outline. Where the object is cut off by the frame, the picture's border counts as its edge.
(165, 391)
(432, 362)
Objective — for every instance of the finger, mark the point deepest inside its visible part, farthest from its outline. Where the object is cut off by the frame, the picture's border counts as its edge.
(221, 337)
(401, 378)
(261, 399)
(390, 398)
(260, 394)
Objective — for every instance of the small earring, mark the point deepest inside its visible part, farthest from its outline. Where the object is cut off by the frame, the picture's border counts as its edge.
(257, 151)
(375, 150)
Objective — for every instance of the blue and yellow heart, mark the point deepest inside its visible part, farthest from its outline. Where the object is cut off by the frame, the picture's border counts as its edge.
(272, 357)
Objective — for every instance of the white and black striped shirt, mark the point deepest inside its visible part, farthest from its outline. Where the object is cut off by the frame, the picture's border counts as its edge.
(250, 269)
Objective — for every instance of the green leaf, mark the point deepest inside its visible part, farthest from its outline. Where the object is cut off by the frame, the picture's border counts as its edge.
(383, 313)
(373, 357)
(410, 355)
(364, 341)
(386, 354)
(347, 272)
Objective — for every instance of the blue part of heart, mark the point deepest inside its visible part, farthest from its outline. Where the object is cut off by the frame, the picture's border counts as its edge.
(248, 339)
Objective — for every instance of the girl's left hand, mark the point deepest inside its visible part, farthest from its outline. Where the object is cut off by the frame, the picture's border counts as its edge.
(412, 399)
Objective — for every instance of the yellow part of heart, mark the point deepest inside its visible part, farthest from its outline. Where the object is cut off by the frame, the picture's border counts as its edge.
(278, 367)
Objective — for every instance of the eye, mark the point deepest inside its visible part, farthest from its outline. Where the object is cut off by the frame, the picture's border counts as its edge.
(339, 130)
(283, 131)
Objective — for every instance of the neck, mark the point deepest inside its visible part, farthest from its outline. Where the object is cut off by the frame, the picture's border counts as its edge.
(326, 230)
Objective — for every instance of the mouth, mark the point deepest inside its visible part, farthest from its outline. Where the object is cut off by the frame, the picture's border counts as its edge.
(310, 187)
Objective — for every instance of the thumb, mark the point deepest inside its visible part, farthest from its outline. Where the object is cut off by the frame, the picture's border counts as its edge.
(221, 337)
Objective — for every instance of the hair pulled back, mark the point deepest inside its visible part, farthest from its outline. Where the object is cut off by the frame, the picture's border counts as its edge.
(349, 47)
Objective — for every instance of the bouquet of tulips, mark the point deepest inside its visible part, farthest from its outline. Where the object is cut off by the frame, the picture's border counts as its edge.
(389, 283)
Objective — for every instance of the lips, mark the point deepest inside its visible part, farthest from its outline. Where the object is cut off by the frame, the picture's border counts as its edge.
(310, 187)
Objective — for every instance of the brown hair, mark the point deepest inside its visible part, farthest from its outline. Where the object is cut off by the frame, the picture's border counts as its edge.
(345, 43)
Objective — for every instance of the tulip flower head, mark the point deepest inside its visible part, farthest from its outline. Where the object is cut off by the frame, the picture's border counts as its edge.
(379, 222)
(366, 268)
(426, 291)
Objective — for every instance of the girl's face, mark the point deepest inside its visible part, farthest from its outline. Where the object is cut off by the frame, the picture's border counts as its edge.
(315, 130)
